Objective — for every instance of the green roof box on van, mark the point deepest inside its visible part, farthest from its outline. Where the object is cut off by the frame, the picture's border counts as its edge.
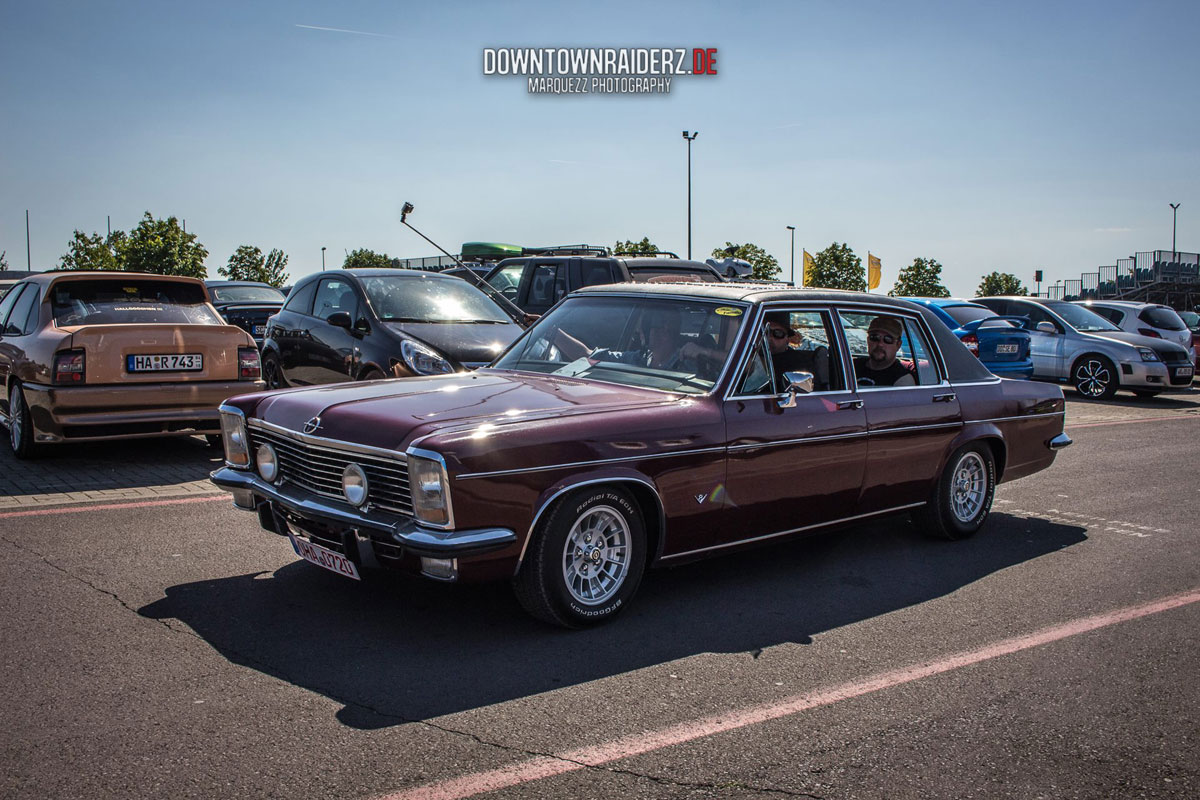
(489, 251)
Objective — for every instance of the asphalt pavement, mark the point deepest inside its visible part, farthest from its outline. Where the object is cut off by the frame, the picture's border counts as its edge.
(155, 643)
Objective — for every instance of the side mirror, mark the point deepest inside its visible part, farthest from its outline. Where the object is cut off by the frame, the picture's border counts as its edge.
(340, 319)
(1047, 327)
(797, 382)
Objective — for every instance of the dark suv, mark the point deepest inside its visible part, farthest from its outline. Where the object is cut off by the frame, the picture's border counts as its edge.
(366, 324)
(535, 283)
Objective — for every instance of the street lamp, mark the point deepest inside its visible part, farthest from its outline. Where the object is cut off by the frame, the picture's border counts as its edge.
(322, 259)
(690, 138)
(1174, 210)
(792, 228)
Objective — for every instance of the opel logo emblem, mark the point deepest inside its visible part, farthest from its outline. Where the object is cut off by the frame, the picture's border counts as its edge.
(312, 424)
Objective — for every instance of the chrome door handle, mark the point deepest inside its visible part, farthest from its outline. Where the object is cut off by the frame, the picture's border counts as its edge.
(948, 397)
(850, 404)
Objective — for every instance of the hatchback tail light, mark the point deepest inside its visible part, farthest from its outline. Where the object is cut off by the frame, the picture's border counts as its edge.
(972, 343)
(1150, 332)
(69, 367)
(249, 367)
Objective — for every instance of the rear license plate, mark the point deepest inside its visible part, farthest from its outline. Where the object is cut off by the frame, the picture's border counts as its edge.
(188, 362)
(259, 330)
(1183, 372)
(1006, 348)
(322, 557)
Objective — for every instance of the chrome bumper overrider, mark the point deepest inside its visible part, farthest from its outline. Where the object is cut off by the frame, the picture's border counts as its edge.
(248, 488)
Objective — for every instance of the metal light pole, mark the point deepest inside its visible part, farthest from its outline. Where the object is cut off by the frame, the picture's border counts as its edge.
(28, 260)
(693, 135)
(322, 259)
(792, 228)
(1174, 210)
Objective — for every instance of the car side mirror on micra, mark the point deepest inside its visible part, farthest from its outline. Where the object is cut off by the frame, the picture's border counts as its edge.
(1047, 327)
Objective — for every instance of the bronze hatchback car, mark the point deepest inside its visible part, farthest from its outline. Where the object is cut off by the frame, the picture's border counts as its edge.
(636, 425)
(103, 355)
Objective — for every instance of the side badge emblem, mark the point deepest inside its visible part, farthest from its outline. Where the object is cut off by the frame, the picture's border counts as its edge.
(312, 424)
(700, 498)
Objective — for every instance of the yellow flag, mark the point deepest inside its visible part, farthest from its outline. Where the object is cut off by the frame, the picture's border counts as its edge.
(874, 267)
(808, 266)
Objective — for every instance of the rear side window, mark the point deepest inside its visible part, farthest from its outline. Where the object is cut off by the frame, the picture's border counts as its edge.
(1110, 314)
(300, 300)
(1162, 317)
(10, 300)
(596, 274)
(110, 301)
(22, 318)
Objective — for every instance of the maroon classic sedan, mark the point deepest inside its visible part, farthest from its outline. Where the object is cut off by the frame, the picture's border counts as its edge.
(638, 425)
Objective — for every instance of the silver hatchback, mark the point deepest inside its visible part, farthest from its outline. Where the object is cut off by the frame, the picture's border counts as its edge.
(1073, 345)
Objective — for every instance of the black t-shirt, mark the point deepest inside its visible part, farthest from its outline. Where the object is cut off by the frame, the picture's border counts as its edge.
(880, 377)
(814, 361)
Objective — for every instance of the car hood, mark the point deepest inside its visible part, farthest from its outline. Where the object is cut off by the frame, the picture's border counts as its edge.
(393, 413)
(464, 342)
(1137, 340)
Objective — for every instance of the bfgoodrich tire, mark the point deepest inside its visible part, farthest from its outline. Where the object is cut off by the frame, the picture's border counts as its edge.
(586, 558)
(963, 496)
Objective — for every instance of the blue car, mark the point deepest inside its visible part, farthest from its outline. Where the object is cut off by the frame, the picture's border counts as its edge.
(1001, 343)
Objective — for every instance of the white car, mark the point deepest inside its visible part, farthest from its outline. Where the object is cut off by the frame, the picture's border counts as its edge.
(1148, 319)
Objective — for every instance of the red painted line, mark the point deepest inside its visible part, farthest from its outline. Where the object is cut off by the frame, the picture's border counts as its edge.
(597, 755)
(39, 512)
(1130, 421)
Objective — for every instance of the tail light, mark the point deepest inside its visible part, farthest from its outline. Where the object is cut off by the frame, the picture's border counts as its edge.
(972, 343)
(69, 367)
(249, 367)
(1150, 332)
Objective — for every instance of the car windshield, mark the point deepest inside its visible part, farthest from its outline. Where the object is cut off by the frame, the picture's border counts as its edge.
(246, 294)
(675, 345)
(1191, 319)
(429, 298)
(1162, 317)
(964, 314)
(130, 301)
(1080, 318)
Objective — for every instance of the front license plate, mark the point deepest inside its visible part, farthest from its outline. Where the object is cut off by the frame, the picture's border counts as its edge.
(322, 557)
(187, 362)
(1183, 372)
(1006, 348)
(260, 330)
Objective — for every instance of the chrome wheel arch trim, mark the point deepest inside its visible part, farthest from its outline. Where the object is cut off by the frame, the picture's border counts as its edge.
(549, 501)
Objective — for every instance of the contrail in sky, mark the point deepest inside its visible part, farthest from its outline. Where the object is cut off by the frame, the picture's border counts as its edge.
(344, 30)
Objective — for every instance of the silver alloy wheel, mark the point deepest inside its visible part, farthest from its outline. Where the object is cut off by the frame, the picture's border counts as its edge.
(1092, 378)
(968, 487)
(596, 555)
(16, 412)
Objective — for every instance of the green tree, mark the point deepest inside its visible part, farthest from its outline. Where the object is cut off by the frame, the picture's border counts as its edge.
(94, 252)
(765, 266)
(366, 259)
(161, 247)
(922, 278)
(999, 283)
(630, 246)
(836, 267)
(249, 264)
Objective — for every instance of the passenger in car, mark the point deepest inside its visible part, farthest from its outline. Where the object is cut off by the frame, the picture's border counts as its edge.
(880, 367)
(784, 358)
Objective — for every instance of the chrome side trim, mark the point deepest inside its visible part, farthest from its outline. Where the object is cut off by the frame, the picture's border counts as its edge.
(662, 515)
(793, 530)
(1016, 417)
(988, 382)
(573, 464)
(803, 440)
(320, 442)
(907, 428)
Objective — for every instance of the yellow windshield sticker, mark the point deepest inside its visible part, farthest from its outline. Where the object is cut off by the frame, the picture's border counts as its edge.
(729, 311)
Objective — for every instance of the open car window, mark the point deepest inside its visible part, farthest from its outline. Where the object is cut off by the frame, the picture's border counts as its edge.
(653, 342)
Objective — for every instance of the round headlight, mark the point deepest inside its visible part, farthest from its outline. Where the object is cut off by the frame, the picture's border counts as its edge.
(354, 484)
(267, 462)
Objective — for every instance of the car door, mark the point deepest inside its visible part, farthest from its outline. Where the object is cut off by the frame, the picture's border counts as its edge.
(330, 353)
(793, 467)
(10, 347)
(543, 284)
(909, 427)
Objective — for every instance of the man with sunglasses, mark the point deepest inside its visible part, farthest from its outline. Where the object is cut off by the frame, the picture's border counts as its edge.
(788, 359)
(880, 367)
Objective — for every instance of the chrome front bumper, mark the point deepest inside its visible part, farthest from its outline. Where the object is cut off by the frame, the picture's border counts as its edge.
(1059, 442)
(249, 491)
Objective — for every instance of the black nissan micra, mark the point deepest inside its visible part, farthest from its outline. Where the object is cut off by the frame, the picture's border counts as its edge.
(367, 324)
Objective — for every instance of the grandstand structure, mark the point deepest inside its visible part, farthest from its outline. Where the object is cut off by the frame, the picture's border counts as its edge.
(1171, 278)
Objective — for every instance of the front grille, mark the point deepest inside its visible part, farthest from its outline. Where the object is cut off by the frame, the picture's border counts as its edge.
(1173, 356)
(318, 468)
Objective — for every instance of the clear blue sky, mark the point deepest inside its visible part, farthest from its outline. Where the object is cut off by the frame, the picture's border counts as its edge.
(988, 136)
